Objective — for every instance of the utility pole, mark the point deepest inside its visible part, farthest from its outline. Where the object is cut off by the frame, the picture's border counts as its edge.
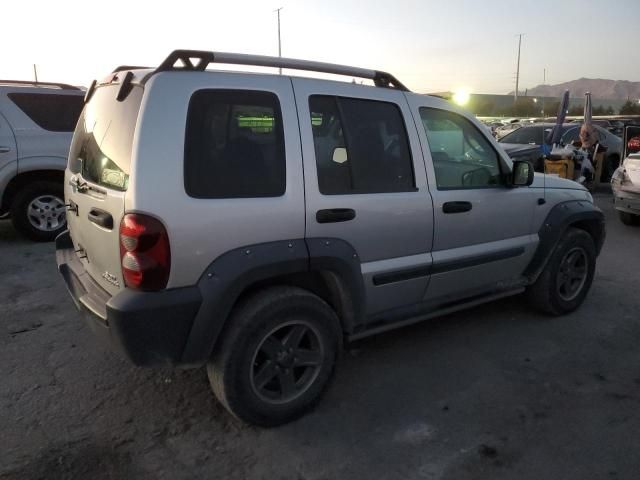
(515, 96)
(35, 72)
(544, 82)
(279, 41)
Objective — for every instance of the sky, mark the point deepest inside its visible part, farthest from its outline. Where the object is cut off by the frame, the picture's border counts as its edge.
(430, 45)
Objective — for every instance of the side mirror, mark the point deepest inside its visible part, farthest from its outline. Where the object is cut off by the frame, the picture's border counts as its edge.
(339, 155)
(522, 173)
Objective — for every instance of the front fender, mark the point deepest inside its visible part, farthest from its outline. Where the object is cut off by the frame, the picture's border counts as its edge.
(574, 213)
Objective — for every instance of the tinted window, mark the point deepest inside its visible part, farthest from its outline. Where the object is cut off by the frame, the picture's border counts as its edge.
(53, 112)
(361, 146)
(102, 142)
(234, 145)
(462, 156)
(525, 135)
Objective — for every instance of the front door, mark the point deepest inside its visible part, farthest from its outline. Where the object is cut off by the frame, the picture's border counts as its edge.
(365, 184)
(483, 236)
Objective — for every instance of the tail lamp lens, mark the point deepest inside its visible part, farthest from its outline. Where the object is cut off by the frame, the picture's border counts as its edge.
(144, 252)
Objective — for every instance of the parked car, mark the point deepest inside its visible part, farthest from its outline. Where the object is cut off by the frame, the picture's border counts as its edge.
(506, 129)
(536, 134)
(529, 153)
(36, 125)
(255, 222)
(625, 182)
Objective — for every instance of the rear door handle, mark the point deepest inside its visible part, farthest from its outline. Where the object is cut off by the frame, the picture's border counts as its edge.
(456, 207)
(100, 217)
(4, 149)
(332, 215)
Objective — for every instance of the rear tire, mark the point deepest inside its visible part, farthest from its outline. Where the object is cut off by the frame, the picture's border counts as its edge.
(629, 218)
(565, 281)
(277, 356)
(38, 211)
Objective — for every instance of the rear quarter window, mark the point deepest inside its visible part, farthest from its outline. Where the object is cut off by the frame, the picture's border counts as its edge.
(234, 145)
(52, 112)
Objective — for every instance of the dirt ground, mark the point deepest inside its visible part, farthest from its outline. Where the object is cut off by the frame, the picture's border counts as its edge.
(497, 392)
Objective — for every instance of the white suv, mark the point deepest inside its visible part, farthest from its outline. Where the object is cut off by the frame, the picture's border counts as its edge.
(252, 222)
(36, 125)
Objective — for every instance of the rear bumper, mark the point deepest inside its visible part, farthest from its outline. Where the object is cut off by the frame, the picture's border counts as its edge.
(149, 328)
(627, 201)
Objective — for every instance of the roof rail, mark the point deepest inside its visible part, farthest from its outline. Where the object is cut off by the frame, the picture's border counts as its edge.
(63, 86)
(122, 68)
(198, 60)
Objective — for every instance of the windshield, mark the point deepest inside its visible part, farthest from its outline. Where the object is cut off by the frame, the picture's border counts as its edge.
(102, 142)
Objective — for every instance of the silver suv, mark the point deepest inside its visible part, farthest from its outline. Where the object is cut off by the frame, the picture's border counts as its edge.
(255, 222)
(36, 124)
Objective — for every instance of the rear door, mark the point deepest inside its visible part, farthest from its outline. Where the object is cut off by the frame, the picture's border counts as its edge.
(97, 179)
(8, 153)
(365, 184)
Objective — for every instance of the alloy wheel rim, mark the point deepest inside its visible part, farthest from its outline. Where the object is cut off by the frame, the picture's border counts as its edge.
(287, 362)
(46, 213)
(572, 274)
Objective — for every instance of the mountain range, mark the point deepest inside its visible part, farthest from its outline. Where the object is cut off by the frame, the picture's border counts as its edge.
(599, 87)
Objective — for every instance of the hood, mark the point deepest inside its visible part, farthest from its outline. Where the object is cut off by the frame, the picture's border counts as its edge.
(539, 181)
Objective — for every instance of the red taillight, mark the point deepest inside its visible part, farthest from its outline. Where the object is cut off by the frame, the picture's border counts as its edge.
(633, 145)
(144, 252)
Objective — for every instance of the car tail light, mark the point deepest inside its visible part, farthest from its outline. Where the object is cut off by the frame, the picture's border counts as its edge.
(144, 252)
(633, 145)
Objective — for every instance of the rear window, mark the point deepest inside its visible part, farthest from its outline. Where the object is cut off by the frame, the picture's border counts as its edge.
(52, 112)
(102, 142)
(234, 145)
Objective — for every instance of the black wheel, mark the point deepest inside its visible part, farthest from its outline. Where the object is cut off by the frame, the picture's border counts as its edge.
(566, 279)
(277, 356)
(38, 210)
(629, 218)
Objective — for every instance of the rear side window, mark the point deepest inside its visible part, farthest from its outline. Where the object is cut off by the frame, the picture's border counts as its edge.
(103, 140)
(361, 146)
(234, 145)
(52, 112)
(525, 135)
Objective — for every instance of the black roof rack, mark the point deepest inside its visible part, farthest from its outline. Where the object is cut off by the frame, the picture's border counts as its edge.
(198, 60)
(63, 86)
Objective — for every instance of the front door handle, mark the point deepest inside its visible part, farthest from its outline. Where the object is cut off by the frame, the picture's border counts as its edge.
(332, 215)
(100, 217)
(456, 207)
(4, 149)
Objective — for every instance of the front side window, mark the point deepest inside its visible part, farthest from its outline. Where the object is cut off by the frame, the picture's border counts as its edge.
(361, 146)
(234, 145)
(52, 112)
(462, 156)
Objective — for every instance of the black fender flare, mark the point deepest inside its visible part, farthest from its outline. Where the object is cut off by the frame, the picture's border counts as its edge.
(228, 276)
(580, 213)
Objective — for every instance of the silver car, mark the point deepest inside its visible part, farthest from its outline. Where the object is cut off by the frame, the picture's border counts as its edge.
(36, 124)
(254, 223)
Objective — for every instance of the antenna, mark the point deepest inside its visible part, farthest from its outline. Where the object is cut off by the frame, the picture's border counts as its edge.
(35, 72)
(279, 40)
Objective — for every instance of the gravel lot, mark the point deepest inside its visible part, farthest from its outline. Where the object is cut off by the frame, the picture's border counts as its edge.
(497, 392)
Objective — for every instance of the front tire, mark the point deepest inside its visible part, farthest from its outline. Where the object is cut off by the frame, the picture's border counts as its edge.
(629, 218)
(38, 210)
(565, 281)
(276, 357)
